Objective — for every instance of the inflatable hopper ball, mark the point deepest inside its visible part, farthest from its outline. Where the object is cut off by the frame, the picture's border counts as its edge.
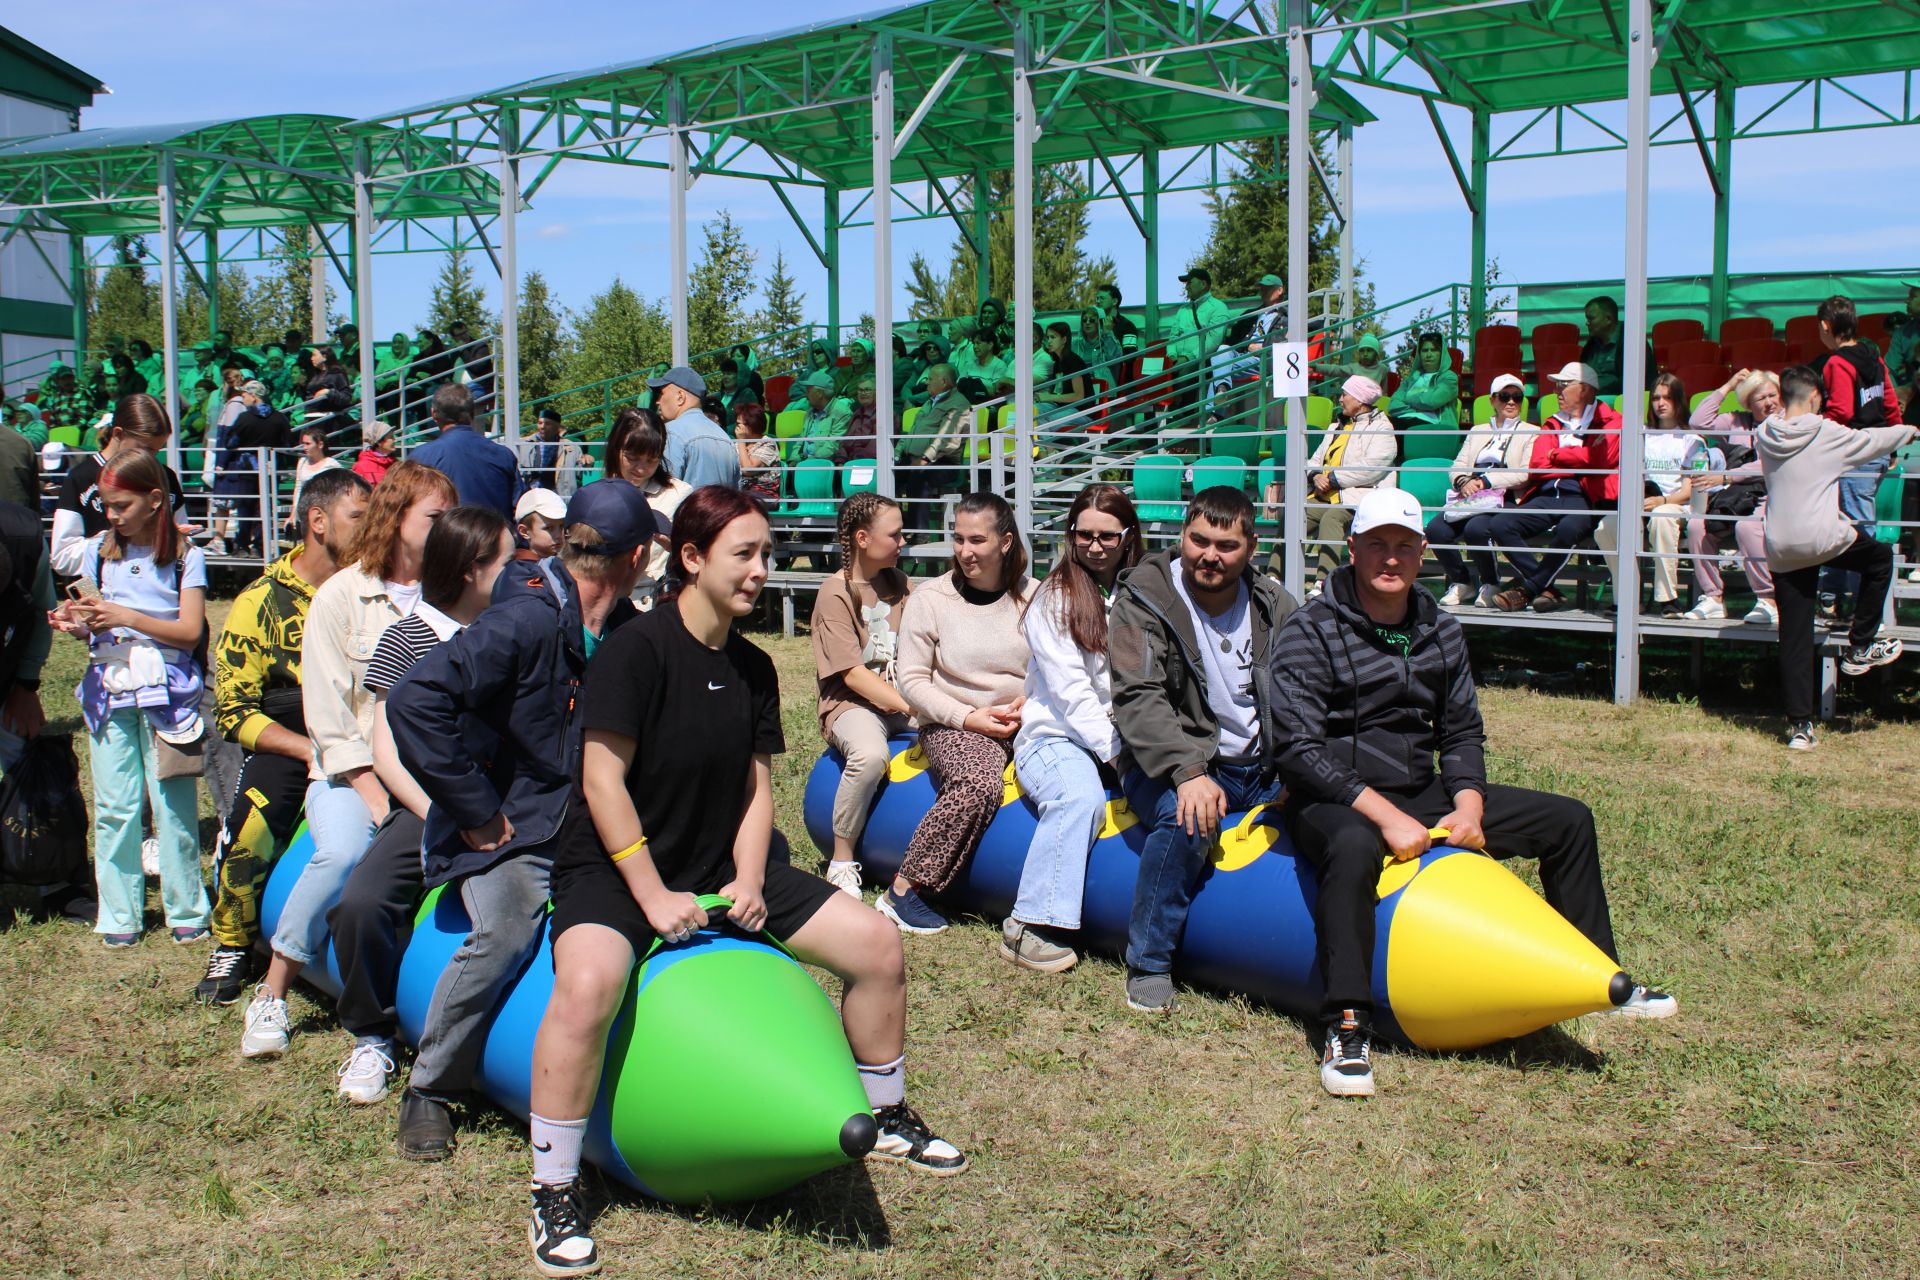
(727, 1074)
(1465, 954)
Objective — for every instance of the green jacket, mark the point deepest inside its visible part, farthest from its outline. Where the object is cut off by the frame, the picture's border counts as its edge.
(820, 438)
(1160, 680)
(1429, 398)
(1197, 327)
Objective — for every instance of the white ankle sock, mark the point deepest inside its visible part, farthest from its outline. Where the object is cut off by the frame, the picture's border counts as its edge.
(886, 1084)
(556, 1149)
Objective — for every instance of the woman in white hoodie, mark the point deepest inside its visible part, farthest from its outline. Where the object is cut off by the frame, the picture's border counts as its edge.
(1067, 743)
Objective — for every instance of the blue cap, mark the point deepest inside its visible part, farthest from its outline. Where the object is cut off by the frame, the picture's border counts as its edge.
(616, 511)
(680, 376)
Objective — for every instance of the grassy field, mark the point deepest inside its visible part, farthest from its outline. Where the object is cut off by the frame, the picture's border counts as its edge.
(1769, 1130)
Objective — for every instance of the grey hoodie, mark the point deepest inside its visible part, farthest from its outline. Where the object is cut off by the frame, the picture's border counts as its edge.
(1804, 459)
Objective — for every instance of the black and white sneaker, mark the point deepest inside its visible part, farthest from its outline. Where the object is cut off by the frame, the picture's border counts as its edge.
(905, 1139)
(1346, 1062)
(228, 969)
(1645, 1002)
(1859, 661)
(558, 1232)
(1800, 737)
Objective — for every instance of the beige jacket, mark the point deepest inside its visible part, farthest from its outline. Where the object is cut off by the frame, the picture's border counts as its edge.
(1368, 459)
(1518, 454)
(349, 612)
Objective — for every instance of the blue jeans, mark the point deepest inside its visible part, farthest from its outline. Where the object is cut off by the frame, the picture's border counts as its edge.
(1064, 783)
(1173, 863)
(342, 828)
(506, 905)
(1858, 490)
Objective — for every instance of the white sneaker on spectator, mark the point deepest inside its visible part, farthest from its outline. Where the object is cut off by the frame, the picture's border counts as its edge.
(1801, 738)
(1913, 574)
(265, 1032)
(1763, 614)
(1646, 1002)
(1458, 593)
(845, 876)
(364, 1075)
(1484, 598)
(1706, 610)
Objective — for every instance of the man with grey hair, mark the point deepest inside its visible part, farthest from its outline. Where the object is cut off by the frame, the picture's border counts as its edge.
(698, 450)
(937, 442)
(484, 473)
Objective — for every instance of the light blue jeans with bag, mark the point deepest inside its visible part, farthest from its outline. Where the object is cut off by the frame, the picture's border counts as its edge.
(1063, 781)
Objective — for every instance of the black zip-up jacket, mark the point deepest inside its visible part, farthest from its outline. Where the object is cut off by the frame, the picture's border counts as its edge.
(1160, 681)
(1354, 713)
(514, 674)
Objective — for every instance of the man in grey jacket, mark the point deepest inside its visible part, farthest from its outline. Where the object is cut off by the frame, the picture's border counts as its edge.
(1804, 457)
(1193, 701)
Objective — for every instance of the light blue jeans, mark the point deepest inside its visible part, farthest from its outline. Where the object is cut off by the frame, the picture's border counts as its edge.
(342, 828)
(124, 782)
(1064, 782)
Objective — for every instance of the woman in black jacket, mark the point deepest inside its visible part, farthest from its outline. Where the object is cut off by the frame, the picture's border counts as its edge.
(328, 390)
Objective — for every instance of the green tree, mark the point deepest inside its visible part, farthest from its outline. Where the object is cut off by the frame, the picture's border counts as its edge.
(457, 297)
(718, 289)
(125, 304)
(614, 340)
(783, 309)
(284, 292)
(1248, 237)
(1064, 277)
(542, 340)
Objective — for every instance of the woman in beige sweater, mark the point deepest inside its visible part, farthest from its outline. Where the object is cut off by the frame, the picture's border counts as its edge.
(962, 667)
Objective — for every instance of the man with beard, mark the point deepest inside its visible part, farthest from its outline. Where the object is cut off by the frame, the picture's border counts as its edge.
(257, 703)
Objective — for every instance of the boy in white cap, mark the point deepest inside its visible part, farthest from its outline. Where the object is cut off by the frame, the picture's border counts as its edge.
(537, 520)
(1372, 685)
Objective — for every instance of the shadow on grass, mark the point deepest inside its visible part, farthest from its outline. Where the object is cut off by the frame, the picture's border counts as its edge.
(838, 1208)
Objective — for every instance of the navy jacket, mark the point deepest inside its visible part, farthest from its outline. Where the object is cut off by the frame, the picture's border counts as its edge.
(483, 472)
(513, 676)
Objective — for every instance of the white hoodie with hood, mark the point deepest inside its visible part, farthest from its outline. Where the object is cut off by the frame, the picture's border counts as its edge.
(1804, 459)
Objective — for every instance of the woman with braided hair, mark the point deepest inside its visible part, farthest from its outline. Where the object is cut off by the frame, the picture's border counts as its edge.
(856, 620)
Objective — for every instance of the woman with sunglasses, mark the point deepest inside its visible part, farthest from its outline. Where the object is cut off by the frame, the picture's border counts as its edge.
(1065, 751)
(1491, 465)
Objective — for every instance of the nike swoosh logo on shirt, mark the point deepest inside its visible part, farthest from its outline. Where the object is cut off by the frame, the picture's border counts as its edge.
(712, 685)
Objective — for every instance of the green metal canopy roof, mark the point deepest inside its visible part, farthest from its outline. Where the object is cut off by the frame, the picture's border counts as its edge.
(1548, 53)
(258, 171)
(804, 94)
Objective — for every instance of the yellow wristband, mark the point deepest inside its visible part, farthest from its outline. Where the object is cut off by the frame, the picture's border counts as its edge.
(631, 849)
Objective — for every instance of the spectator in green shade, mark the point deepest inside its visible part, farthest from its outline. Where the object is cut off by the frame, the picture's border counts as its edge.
(1097, 346)
(828, 416)
(22, 418)
(1429, 396)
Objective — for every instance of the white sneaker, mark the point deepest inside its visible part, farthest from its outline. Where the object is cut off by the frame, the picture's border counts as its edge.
(1800, 737)
(1458, 593)
(1765, 613)
(845, 876)
(1707, 609)
(364, 1075)
(1646, 1002)
(266, 1028)
(217, 547)
(1484, 599)
(150, 856)
(1913, 574)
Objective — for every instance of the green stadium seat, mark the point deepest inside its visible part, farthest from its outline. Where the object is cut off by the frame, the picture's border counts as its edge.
(788, 426)
(1319, 412)
(1549, 405)
(1886, 506)
(1157, 479)
(1215, 469)
(1430, 487)
(859, 476)
(68, 436)
(813, 489)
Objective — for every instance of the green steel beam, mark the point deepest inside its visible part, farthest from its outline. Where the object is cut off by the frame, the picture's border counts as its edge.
(1477, 199)
(1723, 116)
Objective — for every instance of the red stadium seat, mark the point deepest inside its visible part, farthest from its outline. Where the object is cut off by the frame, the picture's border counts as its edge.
(1802, 331)
(1557, 334)
(1763, 353)
(1497, 335)
(779, 391)
(1703, 377)
(1873, 327)
(1745, 328)
(1548, 360)
(1485, 372)
(1668, 332)
(1694, 352)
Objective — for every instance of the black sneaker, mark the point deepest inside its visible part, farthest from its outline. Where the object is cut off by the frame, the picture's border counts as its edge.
(228, 969)
(558, 1232)
(1862, 659)
(1346, 1063)
(905, 1139)
(426, 1129)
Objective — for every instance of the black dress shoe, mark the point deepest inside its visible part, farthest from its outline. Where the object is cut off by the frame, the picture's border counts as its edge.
(426, 1127)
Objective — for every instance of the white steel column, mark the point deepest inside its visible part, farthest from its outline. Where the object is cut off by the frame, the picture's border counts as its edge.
(1022, 407)
(169, 306)
(363, 275)
(1633, 357)
(677, 214)
(506, 373)
(883, 262)
(1344, 158)
(1293, 526)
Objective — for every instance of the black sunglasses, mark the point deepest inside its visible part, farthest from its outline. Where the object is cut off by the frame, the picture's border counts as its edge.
(1510, 397)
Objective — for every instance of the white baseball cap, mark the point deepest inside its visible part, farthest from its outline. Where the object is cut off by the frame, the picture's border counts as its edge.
(1504, 381)
(1388, 507)
(542, 502)
(1574, 371)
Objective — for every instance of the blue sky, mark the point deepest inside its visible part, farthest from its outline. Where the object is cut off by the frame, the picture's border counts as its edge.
(1800, 204)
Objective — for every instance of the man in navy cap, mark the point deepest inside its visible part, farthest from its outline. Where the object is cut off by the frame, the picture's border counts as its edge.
(490, 832)
(698, 451)
(484, 472)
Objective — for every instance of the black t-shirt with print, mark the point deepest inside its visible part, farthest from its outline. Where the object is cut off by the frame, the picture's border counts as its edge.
(697, 717)
(80, 493)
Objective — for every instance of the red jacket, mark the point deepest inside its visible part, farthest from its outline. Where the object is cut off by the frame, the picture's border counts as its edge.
(373, 467)
(1553, 461)
(1844, 389)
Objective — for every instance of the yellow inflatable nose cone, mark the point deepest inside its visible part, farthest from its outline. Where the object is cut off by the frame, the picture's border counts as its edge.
(1473, 955)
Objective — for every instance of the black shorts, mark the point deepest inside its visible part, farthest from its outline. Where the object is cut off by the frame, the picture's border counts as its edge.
(589, 889)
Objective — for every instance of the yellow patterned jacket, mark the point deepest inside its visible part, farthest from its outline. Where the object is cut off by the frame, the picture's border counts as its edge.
(257, 661)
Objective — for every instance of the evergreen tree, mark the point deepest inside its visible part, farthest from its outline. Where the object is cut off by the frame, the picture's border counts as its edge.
(1064, 277)
(284, 292)
(718, 290)
(784, 311)
(1249, 233)
(542, 340)
(457, 297)
(125, 304)
(616, 337)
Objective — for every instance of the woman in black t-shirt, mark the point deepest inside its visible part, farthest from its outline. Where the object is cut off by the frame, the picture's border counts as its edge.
(682, 719)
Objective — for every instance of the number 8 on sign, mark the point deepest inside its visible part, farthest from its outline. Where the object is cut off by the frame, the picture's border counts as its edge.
(1289, 369)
